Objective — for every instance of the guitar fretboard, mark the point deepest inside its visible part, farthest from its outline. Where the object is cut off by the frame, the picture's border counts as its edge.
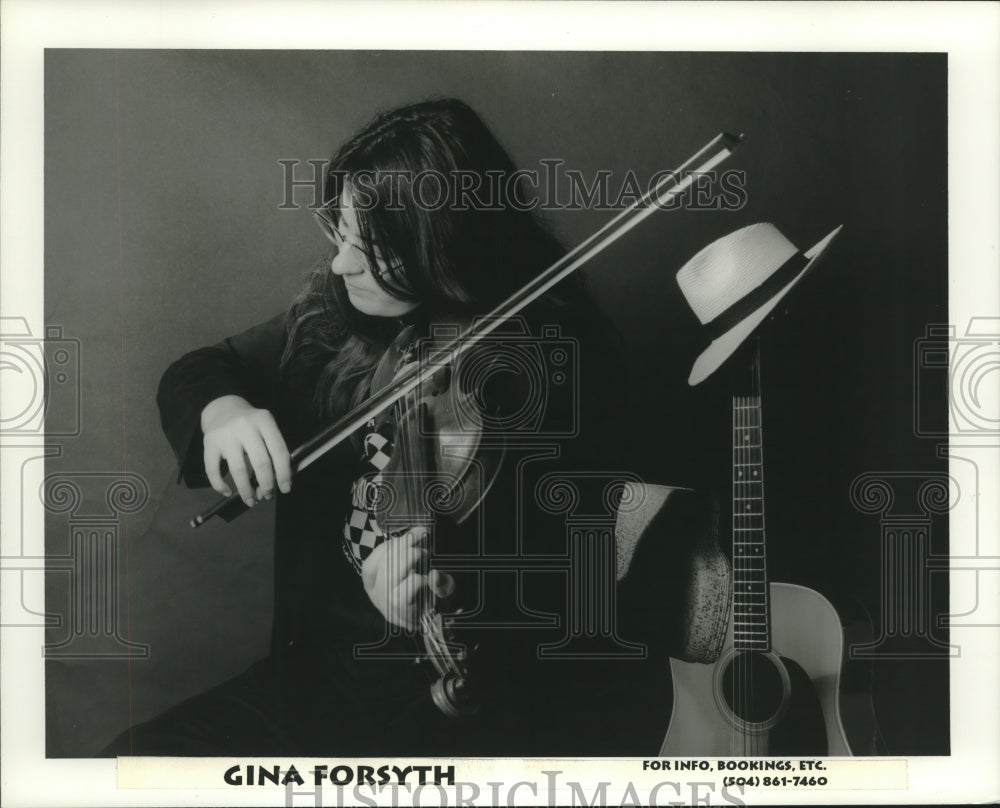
(751, 625)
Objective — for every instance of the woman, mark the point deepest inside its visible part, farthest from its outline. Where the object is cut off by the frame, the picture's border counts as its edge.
(348, 592)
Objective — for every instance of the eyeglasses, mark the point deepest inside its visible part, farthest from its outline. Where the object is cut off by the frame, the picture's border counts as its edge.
(328, 224)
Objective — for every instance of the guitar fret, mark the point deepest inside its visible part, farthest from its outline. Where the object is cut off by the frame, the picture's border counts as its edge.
(749, 517)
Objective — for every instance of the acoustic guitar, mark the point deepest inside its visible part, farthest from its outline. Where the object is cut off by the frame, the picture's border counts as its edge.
(774, 689)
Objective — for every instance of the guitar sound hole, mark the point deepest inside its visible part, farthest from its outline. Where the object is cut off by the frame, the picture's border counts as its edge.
(752, 687)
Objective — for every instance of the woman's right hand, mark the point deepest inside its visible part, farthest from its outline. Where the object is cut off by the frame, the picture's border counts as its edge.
(250, 443)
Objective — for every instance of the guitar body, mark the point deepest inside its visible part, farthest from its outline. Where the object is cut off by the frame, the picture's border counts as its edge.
(780, 702)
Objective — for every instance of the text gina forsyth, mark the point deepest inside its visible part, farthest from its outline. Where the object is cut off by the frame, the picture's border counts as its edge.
(340, 775)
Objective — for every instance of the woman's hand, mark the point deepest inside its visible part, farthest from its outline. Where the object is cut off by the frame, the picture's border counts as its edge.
(398, 581)
(249, 441)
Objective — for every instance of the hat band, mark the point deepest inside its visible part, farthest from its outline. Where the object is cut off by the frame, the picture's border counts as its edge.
(756, 298)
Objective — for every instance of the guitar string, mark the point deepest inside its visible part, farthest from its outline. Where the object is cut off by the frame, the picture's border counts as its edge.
(741, 682)
(753, 578)
(741, 659)
(745, 670)
(748, 426)
(740, 672)
(756, 415)
(733, 731)
(752, 646)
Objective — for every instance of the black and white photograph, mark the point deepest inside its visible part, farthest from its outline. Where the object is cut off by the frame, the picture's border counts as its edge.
(389, 413)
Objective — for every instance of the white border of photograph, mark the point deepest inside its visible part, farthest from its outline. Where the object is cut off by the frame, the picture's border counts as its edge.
(969, 33)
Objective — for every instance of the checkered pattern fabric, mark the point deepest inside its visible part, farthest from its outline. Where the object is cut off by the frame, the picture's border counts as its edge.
(362, 533)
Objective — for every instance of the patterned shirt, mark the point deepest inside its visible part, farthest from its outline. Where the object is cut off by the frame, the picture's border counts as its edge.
(362, 532)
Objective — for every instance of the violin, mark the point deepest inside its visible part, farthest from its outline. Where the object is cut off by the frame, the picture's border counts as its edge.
(436, 457)
(437, 471)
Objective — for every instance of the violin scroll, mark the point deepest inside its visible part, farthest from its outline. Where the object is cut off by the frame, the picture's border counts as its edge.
(452, 693)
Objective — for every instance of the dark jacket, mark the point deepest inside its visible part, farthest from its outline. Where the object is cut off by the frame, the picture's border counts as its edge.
(323, 616)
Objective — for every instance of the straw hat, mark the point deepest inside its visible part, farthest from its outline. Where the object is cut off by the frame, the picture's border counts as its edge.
(734, 283)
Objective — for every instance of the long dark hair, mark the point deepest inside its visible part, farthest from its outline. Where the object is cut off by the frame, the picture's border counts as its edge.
(460, 257)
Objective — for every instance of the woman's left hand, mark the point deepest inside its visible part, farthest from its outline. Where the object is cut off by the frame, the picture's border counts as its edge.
(398, 581)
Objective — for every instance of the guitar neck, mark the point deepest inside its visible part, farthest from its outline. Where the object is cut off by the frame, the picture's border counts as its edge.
(751, 600)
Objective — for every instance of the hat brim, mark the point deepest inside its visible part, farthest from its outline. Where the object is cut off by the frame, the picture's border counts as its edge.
(723, 347)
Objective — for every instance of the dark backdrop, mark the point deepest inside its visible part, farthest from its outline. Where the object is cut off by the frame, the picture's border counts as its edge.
(164, 233)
